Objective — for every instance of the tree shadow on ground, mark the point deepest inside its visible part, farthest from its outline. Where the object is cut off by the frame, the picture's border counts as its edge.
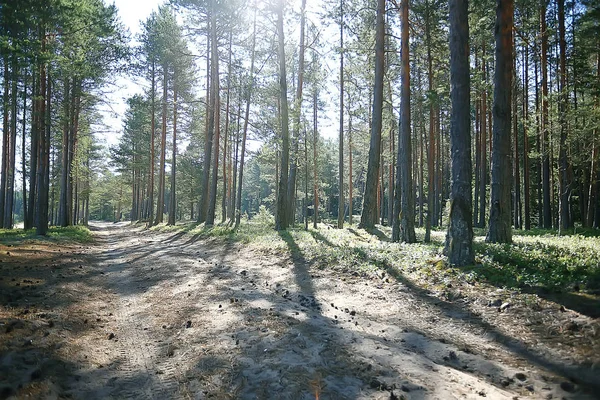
(379, 234)
(335, 362)
(41, 289)
(540, 269)
(452, 310)
(576, 373)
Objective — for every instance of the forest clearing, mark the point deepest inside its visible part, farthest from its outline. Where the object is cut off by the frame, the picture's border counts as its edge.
(186, 313)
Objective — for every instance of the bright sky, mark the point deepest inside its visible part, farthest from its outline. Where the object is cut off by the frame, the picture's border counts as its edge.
(131, 12)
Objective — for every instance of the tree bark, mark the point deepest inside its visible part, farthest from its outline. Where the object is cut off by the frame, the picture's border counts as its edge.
(160, 203)
(5, 142)
(545, 150)
(500, 230)
(564, 184)
(483, 173)
(72, 144)
(64, 172)
(226, 186)
(236, 153)
(477, 146)
(292, 176)
(23, 146)
(340, 223)
(593, 189)
(350, 177)
(403, 228)
(281, 217)
(152, 134)
(315, 173)
(459, 239)
(526, 172)
(12, 143)
(368, 217)
(34, 151)
(431, 155)
(173, 200)
(517, 215)
(249, 89)
(41, 222)
(216, 116)
(209, 127)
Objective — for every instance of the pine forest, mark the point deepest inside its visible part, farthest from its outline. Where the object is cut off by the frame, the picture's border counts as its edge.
(300, 199)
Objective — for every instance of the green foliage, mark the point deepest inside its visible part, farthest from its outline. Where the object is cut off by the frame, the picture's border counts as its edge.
(108, 194)
(77, 234)
(264, 217)
(542, 260)
(538, 260)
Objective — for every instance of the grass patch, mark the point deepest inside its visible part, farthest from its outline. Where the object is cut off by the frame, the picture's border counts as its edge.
(78, 234)
(536, 259)
(544, 260)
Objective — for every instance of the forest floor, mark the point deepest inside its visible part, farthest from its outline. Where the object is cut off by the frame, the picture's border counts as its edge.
(179, 314)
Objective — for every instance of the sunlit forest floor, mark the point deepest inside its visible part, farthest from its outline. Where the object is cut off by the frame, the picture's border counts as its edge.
(190, 312)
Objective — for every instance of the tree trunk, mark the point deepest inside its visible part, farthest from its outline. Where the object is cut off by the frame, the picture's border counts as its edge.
(421, 173)
(5, 142)
(517, 216)
(152, 134)
(440, 168)
(281, 220)
(216, 115)
(44, 135)
(538, 145)
(23, 147)
(500, 230)
(226, 186)
(160, 203)
(564, 184)
(526, 172)
(305, 205)
(483, 173)
(593, 189)
(315, 174)
(340, 223)
(209, 127)
(459, 239)
(34, 148)
(173, 200)
(292, 176)
(391, 175)
(249, 89)
(431, 155)
(350, 178)
(403, 229)
(547, 209)
(477, 146)
(236, 153)
(72, 145)
(12, 143)
(64, 172)
(368, 217)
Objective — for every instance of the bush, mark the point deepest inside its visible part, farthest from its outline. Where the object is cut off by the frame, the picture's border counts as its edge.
(264, 217)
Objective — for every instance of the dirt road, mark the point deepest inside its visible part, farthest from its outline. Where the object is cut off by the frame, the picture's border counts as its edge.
(141, 315)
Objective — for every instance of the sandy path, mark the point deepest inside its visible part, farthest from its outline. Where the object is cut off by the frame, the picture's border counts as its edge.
(179, 318)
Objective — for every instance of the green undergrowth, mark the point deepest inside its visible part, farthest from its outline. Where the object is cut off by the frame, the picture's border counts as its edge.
(541, 261)
(77, 234)
(537, 259)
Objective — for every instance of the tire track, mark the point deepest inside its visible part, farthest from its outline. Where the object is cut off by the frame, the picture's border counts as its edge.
(144, 367)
